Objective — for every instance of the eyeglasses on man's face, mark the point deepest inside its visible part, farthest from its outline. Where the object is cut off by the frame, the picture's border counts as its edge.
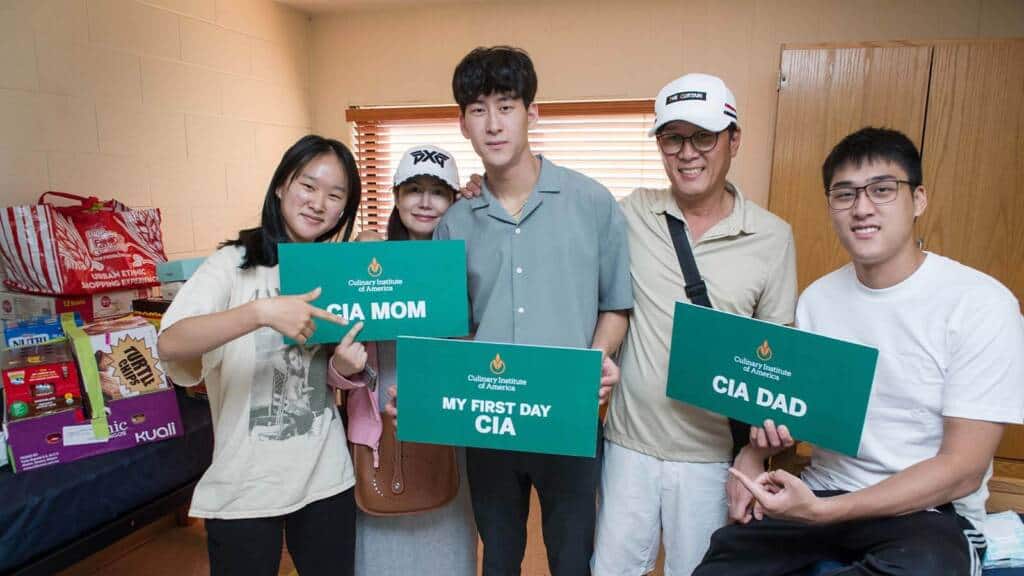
(878, 192)
(703, 141)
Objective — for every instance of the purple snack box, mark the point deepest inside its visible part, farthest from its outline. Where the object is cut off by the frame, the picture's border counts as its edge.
(66, 437)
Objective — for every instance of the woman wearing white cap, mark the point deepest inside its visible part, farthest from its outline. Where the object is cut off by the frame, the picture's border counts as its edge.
(443, 540)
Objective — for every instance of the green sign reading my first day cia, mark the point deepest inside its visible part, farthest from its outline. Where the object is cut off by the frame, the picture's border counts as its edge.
(751, 370)
(505, 396)
(415, 288)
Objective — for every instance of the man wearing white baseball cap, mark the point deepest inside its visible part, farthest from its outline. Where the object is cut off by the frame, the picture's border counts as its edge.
(666, 463)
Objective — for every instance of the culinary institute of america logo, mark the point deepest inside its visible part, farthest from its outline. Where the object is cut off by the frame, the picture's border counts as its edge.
(497, 365)
(374, 269)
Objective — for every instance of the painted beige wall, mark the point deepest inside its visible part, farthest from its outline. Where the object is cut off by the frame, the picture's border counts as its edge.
(185, 105)
(623, 49)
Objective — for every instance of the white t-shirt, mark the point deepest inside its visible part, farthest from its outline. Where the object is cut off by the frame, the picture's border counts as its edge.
(279, 443)
(950, 342)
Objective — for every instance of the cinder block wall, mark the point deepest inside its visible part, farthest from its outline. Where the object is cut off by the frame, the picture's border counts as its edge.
(186, 105)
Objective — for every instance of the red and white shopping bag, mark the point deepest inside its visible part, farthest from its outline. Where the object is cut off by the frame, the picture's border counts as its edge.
(91, 246)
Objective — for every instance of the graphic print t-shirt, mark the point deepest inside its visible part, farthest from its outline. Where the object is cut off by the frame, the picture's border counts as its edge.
(278, 440)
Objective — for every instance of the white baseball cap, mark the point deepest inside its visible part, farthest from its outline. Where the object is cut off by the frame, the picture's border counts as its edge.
(427, 161)
(699, 99)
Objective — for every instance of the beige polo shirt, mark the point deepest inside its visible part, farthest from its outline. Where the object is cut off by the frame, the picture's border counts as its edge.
(749, 265)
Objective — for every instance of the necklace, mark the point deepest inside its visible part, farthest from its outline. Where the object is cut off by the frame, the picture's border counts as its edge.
(517, 213)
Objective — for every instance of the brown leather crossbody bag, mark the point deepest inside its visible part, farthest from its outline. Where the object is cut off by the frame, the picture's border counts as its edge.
(409, 478)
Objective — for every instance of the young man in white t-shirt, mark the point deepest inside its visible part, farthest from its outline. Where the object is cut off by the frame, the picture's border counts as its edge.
(948, 378)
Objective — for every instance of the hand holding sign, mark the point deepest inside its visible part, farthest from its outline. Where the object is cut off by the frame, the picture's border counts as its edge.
(391, 408)
(609, 378)
(292, 316)
(770, 440)
(349, 356)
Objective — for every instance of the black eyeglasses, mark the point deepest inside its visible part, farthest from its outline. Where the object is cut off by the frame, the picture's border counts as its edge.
(702, 140)
(879, 192)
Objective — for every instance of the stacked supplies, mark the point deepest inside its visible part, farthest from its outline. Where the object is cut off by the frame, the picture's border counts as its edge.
(72, 391)
(40, 380)
(173, 275)
(90, 307)
(123, 399)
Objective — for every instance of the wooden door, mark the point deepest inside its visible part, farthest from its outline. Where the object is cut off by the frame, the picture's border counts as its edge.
(974, 167)
(824, 94)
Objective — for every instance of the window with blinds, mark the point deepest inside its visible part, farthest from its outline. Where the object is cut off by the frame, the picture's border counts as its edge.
(605, 140)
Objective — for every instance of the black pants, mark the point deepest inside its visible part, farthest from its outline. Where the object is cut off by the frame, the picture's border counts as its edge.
(321, 540)
(930, 543)
(499, 485)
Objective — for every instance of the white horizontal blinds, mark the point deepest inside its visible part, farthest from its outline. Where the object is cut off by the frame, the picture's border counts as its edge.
(614, 149)
(369, 144)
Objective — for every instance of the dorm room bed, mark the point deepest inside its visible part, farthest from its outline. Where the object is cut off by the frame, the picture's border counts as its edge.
(53, 517)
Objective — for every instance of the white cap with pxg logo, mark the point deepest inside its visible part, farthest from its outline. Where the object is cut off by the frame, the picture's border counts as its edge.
(427, 161)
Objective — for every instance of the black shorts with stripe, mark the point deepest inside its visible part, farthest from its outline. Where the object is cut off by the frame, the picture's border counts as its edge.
(933, 542)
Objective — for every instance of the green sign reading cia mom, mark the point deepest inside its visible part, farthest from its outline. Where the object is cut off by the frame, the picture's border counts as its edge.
(415, 288)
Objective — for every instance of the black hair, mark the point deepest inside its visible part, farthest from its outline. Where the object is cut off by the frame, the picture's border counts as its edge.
(260, 243)
(396, 229)
(498, 69)
(870, 145)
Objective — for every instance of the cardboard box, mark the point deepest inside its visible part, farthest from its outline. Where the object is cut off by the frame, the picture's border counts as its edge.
(69, 436)
(40, 380)
(169, 290)
(22, 333)
(128, 398)
(152, 309)
(91, 307)
(126, 357)
(177, 270)
(18, 306)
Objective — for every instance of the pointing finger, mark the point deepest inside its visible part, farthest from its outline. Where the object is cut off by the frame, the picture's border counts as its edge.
(311, 295)
(751, 485)
(325, 315)
(352, 333)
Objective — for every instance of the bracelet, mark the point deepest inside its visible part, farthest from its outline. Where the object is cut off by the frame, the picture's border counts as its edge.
(371, 378)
